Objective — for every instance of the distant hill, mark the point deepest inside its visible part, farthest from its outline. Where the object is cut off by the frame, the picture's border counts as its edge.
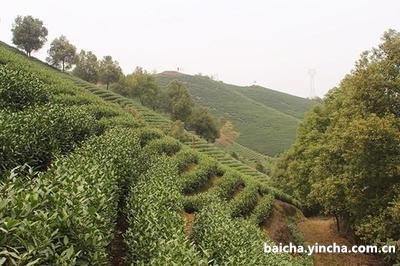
(267, 119)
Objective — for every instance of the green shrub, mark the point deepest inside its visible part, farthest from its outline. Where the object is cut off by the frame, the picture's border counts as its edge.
(194, 180)
(263, 210)
(166, 145)
(102, 110)
(36, 136)
(185, 158)
(197, 202)
(245, 201)
(234, 241)
(19, 89)
(155, 234)
(123, 120)
(66, 216)
(227, 187)
(80, 98)
(148, 134)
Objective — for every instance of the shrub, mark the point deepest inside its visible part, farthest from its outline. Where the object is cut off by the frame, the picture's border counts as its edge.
(193, 181)
(234, 241)
(19, 89)
(165, 145)
(263, 210)
(36, 136)
(244, 203)
(185, 158)
(155, 235)
(231, 181)
(148, 134)
(66, 216)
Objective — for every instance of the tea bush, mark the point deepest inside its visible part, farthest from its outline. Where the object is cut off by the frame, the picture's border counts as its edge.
(67, 215)
(20, 89)
(194, 180)
(36, 136)
(234, 241)
(155, 234)
(185, 158)
(245, 201)
(229, 184)
(165, 145)
(263, 210)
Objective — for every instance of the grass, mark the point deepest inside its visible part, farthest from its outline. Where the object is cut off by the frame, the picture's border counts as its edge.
(267, 119)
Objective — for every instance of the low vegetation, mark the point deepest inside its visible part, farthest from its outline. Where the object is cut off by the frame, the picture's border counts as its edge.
(85, 181)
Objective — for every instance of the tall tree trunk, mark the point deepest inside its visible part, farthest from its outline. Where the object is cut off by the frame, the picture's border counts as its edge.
(337, 222)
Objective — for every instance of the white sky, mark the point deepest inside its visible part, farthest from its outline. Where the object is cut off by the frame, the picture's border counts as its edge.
(271, 42)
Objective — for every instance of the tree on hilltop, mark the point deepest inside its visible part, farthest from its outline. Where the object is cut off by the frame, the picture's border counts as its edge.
(61, 53)
(180, 103)
(110, 71)
(143, 85)
(86, 66)
(29, 34)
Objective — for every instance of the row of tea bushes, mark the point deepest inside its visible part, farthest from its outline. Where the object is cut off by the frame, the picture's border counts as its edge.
(67, 215)
(230, 241)
(155, 235)
(35, 136)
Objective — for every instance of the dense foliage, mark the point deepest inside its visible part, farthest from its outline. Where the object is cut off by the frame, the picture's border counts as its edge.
(61, 53)
(346, 158)
(86, 66)
(29, 34)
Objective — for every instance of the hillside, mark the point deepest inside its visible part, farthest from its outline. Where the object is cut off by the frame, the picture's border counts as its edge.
(267, 119)
(91, 179)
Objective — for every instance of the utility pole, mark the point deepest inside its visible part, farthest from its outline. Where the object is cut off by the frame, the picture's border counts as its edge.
(312, 72)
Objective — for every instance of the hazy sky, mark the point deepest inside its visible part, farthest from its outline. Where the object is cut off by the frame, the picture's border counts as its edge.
(273, 43)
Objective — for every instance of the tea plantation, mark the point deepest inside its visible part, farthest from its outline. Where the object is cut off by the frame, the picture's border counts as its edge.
(85, 180)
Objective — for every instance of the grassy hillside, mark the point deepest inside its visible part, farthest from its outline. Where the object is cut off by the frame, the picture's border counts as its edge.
(89, 179)
(266, 119)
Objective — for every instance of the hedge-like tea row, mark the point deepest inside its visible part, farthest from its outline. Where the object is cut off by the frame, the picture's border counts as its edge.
(234, 241)
(194, 180)
(20, 89)
(263, 210)
(155, 235)
(229, 184)
(36, 136)
(186, 158)
(67, 215)
(245, 201)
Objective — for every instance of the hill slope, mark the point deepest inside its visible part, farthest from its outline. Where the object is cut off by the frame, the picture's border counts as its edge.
(86, 177)
(266, 119)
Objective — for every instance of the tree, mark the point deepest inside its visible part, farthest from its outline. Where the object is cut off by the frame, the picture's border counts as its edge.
(29, 34)
(227, 134)
(142, 85)
(203, 123)
(61, 53)
(180, 103)
(110, 71)
(86, 66)
(345, 160)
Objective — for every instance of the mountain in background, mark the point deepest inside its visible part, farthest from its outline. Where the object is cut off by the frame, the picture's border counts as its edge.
(267, 119)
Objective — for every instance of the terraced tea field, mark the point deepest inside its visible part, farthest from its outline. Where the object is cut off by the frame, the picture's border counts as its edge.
(84, 180)
(156, 119)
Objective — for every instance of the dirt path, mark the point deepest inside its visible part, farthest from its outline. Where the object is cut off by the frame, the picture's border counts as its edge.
(323, 231)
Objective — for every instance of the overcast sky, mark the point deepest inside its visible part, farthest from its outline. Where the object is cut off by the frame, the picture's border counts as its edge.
(272, 43)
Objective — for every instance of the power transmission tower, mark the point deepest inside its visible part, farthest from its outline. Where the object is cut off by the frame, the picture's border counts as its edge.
(312, 72)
